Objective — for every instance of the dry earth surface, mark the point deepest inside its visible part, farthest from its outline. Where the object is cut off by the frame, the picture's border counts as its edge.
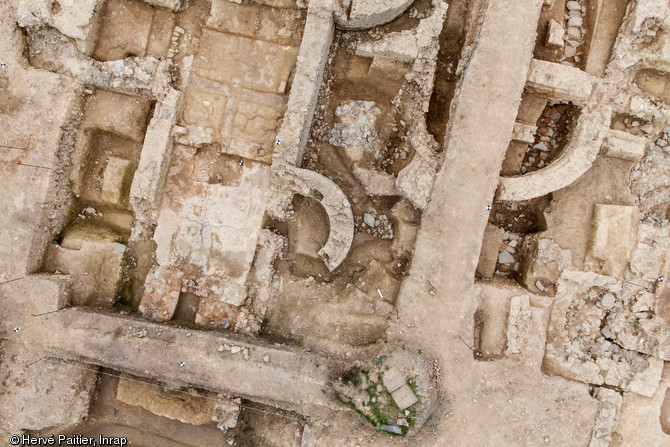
(320, 223)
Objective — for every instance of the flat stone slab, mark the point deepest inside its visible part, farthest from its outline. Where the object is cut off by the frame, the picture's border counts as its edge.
(613, 238)
(252, 64)
(555, 33)
(488, 257)
(393, 379)
(404, 397)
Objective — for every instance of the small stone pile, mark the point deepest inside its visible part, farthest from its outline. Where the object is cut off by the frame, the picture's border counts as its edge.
(574, 36)
(379, 226)
(238, 350)
(551, 132)
(509, 257)
(356, 130)
(215, 314)
(395, 152)
(633, 125)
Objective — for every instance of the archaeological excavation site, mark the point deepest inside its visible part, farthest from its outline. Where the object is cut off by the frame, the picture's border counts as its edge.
(324, 223)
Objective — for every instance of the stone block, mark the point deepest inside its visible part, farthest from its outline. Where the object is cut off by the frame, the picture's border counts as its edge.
(491, 323)
(646, 382)
(524, 132)
(145, 192)
(400, 46)
(75, 18)
(93, 257)
(116, 182)
(375, 183)
(173, 5)
(393, 379)
(186, 407)
(404, 397)
(621, 144)
(488, 257)
(613, 239)
(278, 3)
(555, 33)
(416, 182)
(530, 108)
(514, 157)
(559, 82)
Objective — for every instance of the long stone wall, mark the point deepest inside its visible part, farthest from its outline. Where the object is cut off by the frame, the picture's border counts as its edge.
(149, 180)
(253, 369)
(316, 41)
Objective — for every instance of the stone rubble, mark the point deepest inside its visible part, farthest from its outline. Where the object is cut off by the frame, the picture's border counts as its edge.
(635, 321)
(355, 131)
(607, 418)
(575, 31)
(377, 225)
(650, 182)
(552, 133)
(510, 256)
(580, 348)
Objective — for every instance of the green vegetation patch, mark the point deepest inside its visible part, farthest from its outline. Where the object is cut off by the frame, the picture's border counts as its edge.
(364, 391)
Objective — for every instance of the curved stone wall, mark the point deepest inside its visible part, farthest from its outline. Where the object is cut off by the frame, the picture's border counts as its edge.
(336, 204)
(370, 13)
(576, 159)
